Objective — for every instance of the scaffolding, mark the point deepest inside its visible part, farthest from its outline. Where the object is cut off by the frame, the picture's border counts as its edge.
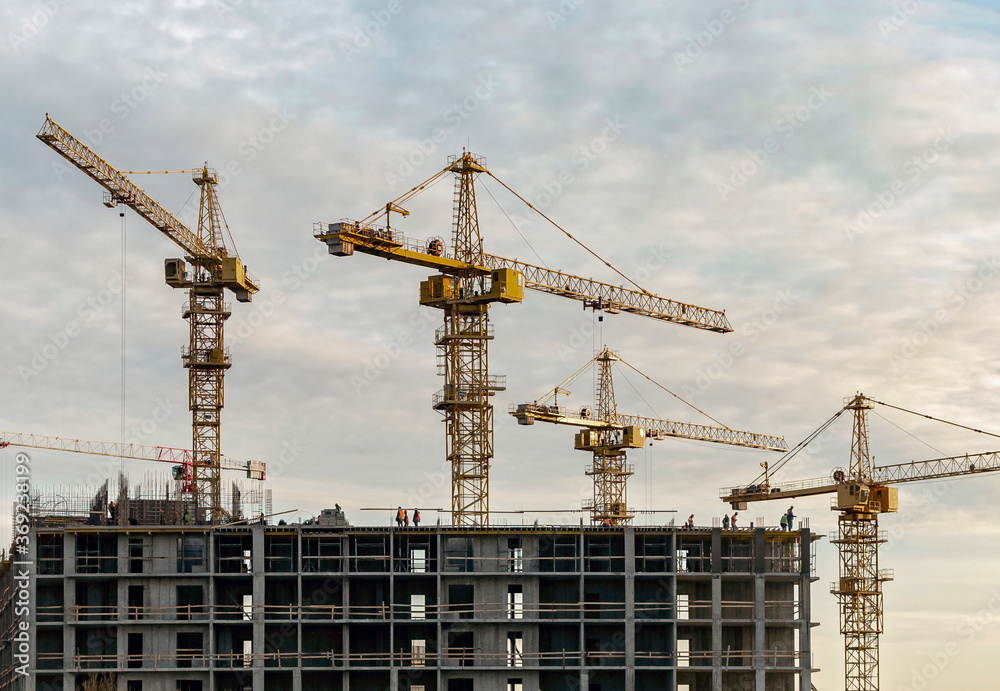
(154, 501)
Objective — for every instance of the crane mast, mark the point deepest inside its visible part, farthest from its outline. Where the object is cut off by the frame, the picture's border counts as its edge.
(608, 435)
(206, 357)
(467, 283)
(859, 591)
(609, 470)
(213, 269)
(862, 493)
(463, 359)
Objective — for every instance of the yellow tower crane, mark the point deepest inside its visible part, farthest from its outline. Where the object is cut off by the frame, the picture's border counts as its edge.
(214, 268)
(179, 458)
(862, 493)
(469, 280)
(608, 434)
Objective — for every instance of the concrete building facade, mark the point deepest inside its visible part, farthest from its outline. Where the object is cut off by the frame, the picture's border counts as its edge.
(317, 607)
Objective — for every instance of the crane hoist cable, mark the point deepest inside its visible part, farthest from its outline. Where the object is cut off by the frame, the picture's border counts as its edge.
(514, 225)
(124, 274)
(225, 225)
(560, 387)
(690, 405)
(406, 196)
(639, 394)
(568, 234)
(910, 434)
(929, 417)
(798, 447)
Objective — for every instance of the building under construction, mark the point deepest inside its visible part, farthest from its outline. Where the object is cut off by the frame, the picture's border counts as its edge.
(191, 589)
(123, 601)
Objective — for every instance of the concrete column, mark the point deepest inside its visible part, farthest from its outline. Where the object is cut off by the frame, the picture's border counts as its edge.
(759, 639)
(629, 608)
(716, 626)
(391, 596)
(257, 591)
(210, 605)
(805, 610)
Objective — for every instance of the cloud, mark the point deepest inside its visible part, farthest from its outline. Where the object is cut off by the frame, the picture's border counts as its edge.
(373, 91)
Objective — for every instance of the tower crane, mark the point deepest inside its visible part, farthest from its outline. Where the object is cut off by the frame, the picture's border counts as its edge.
(862, 492)
(467, 283)
(180, 458)
(214, 268)
(608, 434)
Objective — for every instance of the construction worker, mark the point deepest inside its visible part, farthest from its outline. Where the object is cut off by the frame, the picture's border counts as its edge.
(606, 523)
(399, 516)
(784, 521)
(406, 519)
(732, 521)
(416, 518)
(791, 518)
(725, 522)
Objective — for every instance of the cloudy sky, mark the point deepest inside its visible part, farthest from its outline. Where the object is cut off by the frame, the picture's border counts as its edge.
(824, 175)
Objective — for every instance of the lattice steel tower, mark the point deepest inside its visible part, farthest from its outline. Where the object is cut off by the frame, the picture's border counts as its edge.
(463, 358)
(859, 592)
(610, 469)
(214, 268)
(206, 357)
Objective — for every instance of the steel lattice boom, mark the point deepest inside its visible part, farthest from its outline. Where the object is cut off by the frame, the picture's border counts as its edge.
(255, 470)
(863, 492)
(467, 282)
(215, 268)
(609, 433)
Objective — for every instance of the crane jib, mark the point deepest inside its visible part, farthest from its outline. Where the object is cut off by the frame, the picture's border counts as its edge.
(346, 237)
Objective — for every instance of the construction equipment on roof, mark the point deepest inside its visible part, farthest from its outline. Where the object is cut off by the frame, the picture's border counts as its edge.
(469, 280)
(608, 434)
(181, 459)
(214, 267)
(862, 492)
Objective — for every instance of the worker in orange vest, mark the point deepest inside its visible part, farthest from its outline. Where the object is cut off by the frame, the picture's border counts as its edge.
(399, 516)
(416, 518)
